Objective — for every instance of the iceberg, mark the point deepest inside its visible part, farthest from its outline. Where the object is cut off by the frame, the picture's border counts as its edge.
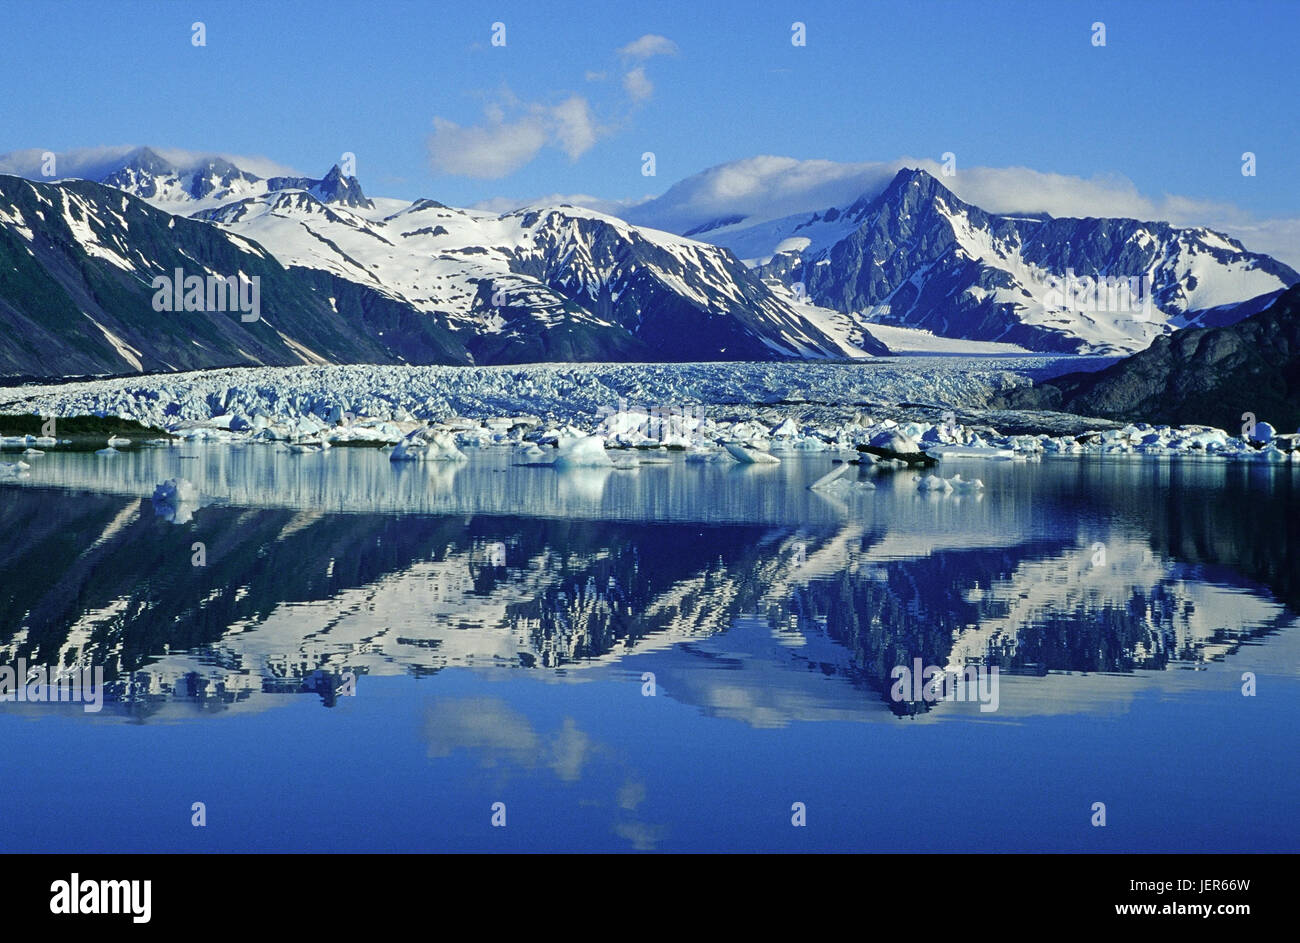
(751, 455)
(176, 500)
(582, 452)
(829, 477)
(937, 485)
(934, 483)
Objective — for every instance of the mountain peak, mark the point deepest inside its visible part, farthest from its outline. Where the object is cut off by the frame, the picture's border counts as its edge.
(146, 159)
(336, 188)
(926, 186)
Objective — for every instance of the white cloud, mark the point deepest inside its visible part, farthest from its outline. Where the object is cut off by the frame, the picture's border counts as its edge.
(488, 151)
(637, 85)
(648, 46)
(763, 187)
(514, 132)
(573, 127)
(502, 144)
(93, 163)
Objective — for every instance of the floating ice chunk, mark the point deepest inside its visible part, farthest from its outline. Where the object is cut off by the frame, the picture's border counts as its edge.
(943, 452)
(176, 500)
(933, 483)
(33, 452)
(844, 486)
(108, 451)
(442, 448)
(829, 477)
(965, 487)
(897, 442)
(582, 452)
(408, 450)
(954, 484)
(14, 469)
(750, 455)
(529, 454)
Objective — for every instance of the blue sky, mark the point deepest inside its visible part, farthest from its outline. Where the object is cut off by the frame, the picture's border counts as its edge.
(1170, 103)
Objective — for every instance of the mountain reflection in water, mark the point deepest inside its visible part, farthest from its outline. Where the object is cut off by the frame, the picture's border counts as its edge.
(312, 574)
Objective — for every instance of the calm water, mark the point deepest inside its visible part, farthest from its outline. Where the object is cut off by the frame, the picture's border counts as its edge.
(501, 626)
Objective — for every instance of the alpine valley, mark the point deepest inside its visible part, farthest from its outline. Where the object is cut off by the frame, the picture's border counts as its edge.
(345, 278)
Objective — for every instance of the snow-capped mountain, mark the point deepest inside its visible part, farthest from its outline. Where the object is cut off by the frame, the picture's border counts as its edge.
(191, 186)
(427, 283)
(78, 263)
(542, 282)
(917, 256)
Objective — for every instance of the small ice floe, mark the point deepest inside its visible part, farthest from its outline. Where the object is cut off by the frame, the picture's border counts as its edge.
(586, 451)
(937, 485)
(934, 483)
(826, 479)
(176, 500)
(14, 469)
(707, 456)
(115, 440)
(33, 452)
(836, 482)
(108, 451)
(749, 455)
(945, 452)
(305, 448)
(421, 446)
(529, 454)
